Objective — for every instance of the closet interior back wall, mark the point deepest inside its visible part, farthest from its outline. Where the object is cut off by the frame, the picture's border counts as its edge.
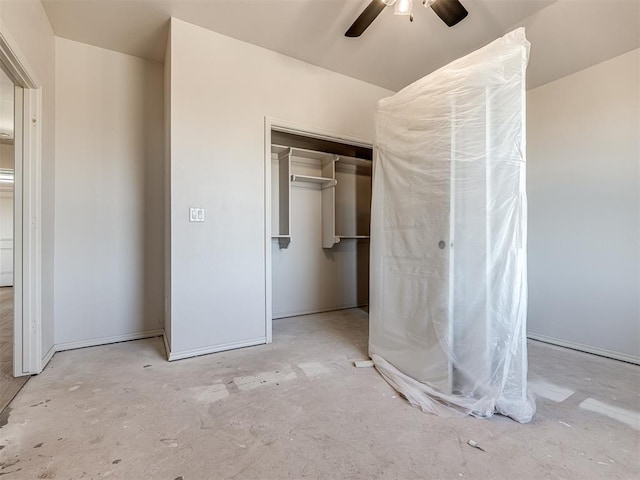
(307, 278)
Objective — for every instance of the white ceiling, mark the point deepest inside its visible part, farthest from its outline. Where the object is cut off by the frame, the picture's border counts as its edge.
(566, 35)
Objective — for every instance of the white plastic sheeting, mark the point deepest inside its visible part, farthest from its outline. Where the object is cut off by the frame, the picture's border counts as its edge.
(448, 237)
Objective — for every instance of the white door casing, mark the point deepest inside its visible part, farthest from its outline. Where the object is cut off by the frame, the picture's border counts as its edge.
(28, 357)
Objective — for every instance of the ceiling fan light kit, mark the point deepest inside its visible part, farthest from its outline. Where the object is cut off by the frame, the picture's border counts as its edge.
(450, 12)
(403, 7)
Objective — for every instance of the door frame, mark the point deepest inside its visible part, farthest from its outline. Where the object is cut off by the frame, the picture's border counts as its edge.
(27, 356)
(271, 123)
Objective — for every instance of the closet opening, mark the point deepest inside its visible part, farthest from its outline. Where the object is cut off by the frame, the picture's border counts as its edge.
(319, 207)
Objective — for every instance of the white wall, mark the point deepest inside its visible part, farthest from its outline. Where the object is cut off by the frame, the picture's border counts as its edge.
(29, 26)
(7, 153)
(7, 161)
(221, 90)
(584, 208)
(307, 278)
(109, 195)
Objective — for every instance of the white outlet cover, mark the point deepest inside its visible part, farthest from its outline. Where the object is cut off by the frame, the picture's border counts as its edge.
(196, 214)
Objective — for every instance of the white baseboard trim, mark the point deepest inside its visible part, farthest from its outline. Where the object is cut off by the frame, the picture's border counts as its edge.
(311, 312)
(196, 352)
(47, 357)
(625, 357)
(60, 347)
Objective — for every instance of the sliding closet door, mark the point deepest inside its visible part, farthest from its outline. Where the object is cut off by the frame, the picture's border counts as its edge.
(414, 211)
(448, 236)
(507, 229)
(436, 195)
(470, 262)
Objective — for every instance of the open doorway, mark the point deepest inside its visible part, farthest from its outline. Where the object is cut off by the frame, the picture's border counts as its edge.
(9, 98)
(319, 206)
(24, 347)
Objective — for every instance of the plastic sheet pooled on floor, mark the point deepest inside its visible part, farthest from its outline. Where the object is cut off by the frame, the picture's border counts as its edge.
(448, 293)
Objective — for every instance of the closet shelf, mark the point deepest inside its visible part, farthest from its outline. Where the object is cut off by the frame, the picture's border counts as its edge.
(305, 153)
(322, 156)
(329, 182)
(356, 162)
(322, 166)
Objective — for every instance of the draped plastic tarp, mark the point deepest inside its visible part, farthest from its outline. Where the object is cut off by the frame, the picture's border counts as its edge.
(448, 237)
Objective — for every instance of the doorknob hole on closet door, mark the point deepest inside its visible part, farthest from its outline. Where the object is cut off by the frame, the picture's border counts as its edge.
(442, 244)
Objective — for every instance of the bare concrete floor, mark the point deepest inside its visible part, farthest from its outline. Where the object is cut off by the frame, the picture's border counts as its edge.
(299, 409)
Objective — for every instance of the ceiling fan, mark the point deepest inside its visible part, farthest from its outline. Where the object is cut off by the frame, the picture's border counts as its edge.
(449, 11)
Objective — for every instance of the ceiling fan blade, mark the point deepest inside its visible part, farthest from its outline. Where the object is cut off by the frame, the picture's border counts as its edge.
(366, 18)
(449, 11)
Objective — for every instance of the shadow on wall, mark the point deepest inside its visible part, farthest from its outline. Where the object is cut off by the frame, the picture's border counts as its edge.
(153, 239)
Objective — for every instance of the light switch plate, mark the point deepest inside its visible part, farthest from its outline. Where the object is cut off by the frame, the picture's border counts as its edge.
(196, 214)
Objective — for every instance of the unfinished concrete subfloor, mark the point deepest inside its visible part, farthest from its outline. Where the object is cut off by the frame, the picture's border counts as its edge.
(299, 409)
